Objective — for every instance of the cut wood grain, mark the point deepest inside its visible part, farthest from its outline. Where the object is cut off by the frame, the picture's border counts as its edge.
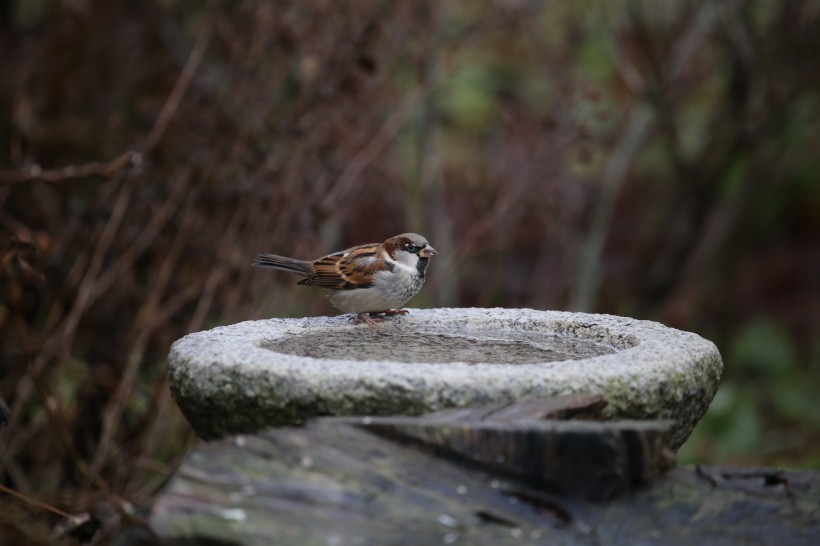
(385, 482)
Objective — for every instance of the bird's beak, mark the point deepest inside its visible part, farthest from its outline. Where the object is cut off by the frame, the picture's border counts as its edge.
(427, 251)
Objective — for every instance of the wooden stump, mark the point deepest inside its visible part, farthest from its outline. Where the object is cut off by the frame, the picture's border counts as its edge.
(491, 476)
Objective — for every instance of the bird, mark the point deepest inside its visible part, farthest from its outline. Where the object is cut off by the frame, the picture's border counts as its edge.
(371, 279)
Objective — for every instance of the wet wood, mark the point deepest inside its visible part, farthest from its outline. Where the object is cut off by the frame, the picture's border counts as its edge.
(573, 406)
(597, 461)
(417, 481)
(526, 440)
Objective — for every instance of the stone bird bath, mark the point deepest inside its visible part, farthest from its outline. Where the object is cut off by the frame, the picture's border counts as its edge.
(257, 374)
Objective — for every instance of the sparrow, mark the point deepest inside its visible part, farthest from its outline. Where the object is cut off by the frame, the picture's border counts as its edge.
(376, 278)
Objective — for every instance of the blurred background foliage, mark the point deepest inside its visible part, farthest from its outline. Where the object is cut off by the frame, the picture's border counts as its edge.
(657, 159)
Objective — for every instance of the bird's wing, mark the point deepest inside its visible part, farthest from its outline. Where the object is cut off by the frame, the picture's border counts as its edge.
(349, 269)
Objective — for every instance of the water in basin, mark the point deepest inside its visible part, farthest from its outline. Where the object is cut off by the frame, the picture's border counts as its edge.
(436, 347)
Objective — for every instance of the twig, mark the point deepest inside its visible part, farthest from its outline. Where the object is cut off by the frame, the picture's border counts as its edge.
(589, 261)
(158, 222)
(589, 273)
(150, 317)
(217, 274)
(379, 141)
(60, 341)
(122, 395)
(171, 104)
(373, 148)
(108, 169)
(34, 502)
(130, 158)
(88, 285)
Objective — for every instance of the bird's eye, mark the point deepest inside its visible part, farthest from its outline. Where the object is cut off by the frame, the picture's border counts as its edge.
(410, 247)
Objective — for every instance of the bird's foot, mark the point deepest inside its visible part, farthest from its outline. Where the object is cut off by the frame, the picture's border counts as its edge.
(371, 322)
(391, 312)
(373, 318)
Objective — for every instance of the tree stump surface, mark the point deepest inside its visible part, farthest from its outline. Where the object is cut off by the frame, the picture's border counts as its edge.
(493, 476)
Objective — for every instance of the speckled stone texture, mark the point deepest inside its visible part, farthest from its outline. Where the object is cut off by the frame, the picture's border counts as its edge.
(238, 378)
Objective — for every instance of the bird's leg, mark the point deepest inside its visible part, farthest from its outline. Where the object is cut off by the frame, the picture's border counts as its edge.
(372, 318)
(393, 312)
(362, 317)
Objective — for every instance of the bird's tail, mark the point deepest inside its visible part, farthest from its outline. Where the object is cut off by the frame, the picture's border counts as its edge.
(285, 264)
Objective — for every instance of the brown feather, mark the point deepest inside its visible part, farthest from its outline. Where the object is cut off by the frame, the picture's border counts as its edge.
(349, 269)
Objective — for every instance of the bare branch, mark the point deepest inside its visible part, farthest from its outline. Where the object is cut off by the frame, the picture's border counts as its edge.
(108, 169)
